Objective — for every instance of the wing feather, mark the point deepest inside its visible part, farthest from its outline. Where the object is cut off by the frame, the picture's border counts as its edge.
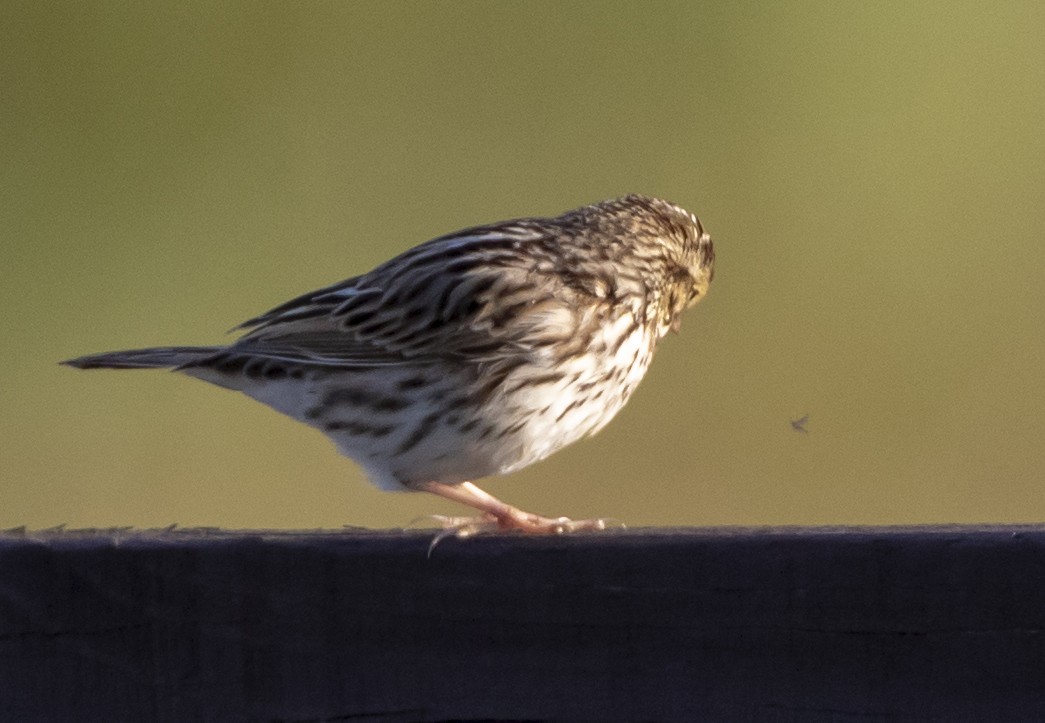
(476, 294)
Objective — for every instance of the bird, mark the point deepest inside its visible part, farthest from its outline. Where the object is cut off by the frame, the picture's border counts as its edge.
(474, 354)
(799, 425)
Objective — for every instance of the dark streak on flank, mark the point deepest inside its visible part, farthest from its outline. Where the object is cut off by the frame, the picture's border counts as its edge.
(274, 371)
(493, 381)
(357, 429)
(505, 315)
(569, 408)
(456, 403)
(512, 429)
(633, 328)
(485, 392)
(424, 428)
(535, 381)
(356, 397)
(389, 404)
(411, 383)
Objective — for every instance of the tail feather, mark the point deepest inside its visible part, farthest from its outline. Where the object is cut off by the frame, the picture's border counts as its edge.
(159, 357)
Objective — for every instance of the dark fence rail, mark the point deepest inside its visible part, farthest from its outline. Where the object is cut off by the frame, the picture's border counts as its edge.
(933, 623)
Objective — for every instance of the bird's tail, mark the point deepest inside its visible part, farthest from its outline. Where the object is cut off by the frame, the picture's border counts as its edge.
(160, 357)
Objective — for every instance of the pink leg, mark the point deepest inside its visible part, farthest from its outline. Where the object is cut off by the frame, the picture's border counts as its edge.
(498, 515)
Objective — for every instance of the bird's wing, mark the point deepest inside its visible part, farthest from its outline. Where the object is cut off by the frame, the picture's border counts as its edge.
(482, 294)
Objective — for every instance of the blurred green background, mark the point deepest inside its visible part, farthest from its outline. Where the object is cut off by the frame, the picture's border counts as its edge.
(873, 175)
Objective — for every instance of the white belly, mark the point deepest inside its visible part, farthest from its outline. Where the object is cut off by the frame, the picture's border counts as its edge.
(401, 430)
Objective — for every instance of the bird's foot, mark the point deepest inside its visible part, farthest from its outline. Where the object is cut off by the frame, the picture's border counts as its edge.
(497, 516)
(517, 520)
(465, 527)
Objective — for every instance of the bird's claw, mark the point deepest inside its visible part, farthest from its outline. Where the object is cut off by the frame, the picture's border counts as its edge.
(465, 527)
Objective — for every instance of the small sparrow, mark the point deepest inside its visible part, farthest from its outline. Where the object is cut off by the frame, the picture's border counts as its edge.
(473, 354)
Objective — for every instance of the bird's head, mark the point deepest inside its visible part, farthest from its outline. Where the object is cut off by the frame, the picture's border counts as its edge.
(686, 253)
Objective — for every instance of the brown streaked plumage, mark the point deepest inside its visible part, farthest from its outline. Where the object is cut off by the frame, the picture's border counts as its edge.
(476, 353)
